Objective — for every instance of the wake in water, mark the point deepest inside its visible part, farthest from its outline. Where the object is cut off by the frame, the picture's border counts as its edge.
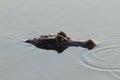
(105, 57)
(14, 45)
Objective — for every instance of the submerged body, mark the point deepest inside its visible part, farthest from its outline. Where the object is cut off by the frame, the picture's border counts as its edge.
(59, 42)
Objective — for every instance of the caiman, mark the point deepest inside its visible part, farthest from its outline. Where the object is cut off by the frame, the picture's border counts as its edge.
(59, 42)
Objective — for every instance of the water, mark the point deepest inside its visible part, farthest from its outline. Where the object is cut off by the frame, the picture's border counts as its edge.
(81, 19)
(104, 57)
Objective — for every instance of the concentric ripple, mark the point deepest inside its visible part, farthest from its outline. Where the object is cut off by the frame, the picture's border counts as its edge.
(106, 56)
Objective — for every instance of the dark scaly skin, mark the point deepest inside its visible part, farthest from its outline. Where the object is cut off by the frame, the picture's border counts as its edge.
(60, 42)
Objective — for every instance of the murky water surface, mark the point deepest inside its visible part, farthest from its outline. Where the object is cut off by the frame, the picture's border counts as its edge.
(80, 19)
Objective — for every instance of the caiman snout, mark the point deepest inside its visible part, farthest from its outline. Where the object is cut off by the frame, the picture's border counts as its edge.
(90, 44)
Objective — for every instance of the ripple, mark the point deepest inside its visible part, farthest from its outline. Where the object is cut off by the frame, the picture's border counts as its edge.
(105, 57)
(10, 47)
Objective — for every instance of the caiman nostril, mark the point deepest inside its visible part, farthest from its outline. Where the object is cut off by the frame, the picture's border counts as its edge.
(90, 44)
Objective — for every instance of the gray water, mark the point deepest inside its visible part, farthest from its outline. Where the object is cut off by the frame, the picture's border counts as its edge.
(80, 19)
